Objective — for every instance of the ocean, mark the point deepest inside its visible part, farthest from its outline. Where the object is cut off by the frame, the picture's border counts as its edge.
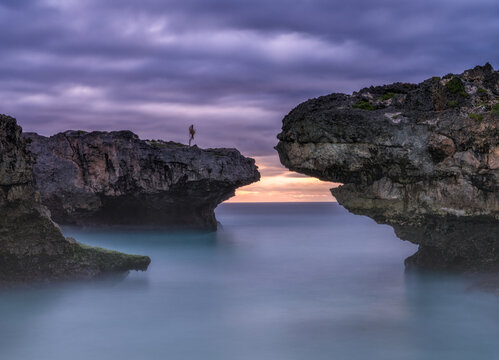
(288, 281)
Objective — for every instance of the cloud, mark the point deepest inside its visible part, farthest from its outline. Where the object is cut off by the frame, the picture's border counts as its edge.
(233, 68)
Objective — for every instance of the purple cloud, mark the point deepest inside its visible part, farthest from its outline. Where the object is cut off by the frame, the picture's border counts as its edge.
(233, 68)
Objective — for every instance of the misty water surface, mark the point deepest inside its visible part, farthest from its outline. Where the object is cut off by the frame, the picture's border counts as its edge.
(280, 281)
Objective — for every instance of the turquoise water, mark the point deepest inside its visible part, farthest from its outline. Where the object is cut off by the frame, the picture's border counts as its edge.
(280, 281)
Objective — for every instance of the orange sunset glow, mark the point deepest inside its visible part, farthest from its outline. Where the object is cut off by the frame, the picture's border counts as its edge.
(278, 184)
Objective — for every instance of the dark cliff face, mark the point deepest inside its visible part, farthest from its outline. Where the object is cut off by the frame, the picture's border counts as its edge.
(423, 158)
(114, 178)
(32, 246)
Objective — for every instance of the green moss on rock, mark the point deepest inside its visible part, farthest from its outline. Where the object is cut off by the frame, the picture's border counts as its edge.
(456, 86)
(364, 105)
(478, 117)
(389, 95)
(109, 260)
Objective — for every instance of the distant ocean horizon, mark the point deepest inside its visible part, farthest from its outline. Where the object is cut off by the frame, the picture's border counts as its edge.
(279, 202)
(278, 281)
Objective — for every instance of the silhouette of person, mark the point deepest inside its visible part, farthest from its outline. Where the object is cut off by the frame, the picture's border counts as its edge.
(192, 132)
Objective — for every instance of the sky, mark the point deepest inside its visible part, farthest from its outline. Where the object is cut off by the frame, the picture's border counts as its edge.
(232, 68)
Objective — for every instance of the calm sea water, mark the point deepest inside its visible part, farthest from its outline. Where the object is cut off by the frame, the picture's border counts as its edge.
(280, 281)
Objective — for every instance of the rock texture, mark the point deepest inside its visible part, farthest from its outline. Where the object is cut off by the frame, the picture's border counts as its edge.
(423, 158)
(114, 178)
(32, 246)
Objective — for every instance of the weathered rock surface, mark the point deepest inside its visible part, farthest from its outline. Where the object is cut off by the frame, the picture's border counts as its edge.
(32, 246)
(423, 158)
(114, 178)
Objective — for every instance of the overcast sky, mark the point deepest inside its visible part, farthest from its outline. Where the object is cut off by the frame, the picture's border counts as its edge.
(232, 68)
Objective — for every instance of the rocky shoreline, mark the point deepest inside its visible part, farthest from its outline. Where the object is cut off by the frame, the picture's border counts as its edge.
(115, 178)
(32, 246)
(423, 158)
(101, 178)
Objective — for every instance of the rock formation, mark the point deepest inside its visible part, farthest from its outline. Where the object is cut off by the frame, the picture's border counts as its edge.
(114, 178)
(423, 158)
(32, 246)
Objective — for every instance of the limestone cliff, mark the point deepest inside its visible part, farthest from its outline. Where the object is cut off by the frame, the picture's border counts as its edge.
(32, 246)
(423, 158)
(115, 178)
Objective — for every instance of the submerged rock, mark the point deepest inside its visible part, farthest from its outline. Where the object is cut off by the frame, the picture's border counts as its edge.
(115, 178)
(32, 246)
(423, 158)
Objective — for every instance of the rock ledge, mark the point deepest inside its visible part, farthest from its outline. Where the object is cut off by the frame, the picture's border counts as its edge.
(423, 158)
(114, 178)
(32, 247)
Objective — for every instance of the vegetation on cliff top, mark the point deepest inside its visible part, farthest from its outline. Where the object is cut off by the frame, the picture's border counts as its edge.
(364, 105)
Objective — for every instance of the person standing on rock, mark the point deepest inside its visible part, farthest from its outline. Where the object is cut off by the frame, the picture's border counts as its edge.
(192, 132)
